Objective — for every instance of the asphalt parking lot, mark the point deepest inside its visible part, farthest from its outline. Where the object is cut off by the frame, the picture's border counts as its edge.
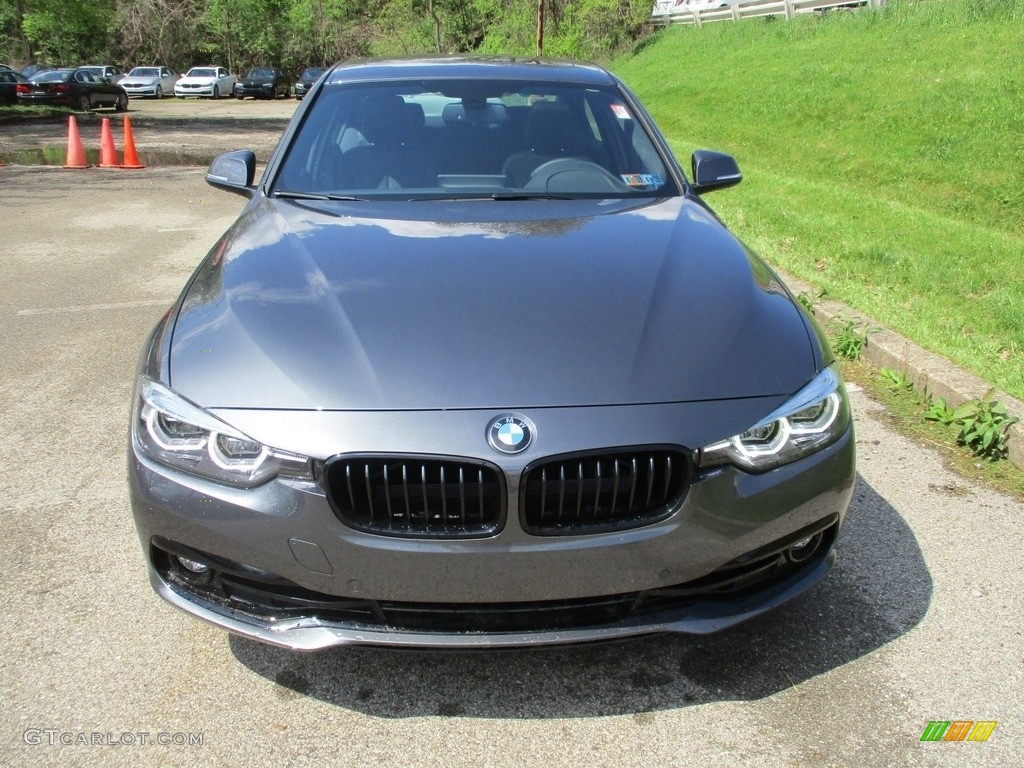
(920, 621)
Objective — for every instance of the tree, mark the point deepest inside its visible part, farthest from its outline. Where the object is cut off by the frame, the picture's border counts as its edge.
(14, 47)
(67, 33)
(321, 32)
(242, 33)
(158, 31)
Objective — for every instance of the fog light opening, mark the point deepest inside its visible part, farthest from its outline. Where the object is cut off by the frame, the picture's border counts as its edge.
(193, 571)
(193, 565)
(805, 549)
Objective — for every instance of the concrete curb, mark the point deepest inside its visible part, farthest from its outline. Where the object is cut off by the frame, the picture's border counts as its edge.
(931, 374)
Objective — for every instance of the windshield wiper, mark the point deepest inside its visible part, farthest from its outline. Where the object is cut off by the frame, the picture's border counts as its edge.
(528, 196)
(469, 197)
(315, 196)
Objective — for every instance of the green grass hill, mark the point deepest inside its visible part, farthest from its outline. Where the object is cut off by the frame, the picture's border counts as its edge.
(883, 158)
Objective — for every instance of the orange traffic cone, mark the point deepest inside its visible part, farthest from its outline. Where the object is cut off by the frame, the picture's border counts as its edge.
(76, 153)
(108, 152)
(131, 157)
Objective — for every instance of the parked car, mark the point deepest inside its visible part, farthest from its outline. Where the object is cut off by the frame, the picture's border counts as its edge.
(478, 366)
(309, 76)
(153, 81)
(667, 7)
(9, 80)
(263, 83)
(106, 72)
(80, 88)
(205, 81)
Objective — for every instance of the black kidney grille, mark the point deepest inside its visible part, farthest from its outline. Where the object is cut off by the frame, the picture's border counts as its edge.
(599, 492)
(414, 496)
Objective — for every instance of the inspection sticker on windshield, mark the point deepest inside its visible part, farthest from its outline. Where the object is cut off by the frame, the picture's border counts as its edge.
(621, 112)
(642, 179)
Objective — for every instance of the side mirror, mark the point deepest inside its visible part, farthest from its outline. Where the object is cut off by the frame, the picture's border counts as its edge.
(714, 170)
(234, 172)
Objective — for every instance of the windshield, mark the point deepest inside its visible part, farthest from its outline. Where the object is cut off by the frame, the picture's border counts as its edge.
(144, 72)
(473, 138)
(201, 72)
(311, 74)
(255, 73)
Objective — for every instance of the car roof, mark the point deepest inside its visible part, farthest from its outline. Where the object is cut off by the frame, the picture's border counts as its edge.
(472, 67)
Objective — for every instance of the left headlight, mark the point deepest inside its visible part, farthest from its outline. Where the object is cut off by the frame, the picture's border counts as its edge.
(812, 419)
(173, 431)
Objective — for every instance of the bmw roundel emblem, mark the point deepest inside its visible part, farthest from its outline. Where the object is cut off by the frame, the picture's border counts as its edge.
(510, 433)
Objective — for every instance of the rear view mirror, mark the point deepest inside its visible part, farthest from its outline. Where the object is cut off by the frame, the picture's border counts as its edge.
(234, 172)
(714, 170)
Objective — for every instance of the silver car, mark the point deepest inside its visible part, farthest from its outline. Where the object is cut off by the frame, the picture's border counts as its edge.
(477, 366)
(154, 82)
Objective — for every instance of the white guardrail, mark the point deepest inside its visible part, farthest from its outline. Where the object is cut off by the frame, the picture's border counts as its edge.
(699, 11)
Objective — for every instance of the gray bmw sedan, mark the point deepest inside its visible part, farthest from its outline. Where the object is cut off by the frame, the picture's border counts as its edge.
(477, 366)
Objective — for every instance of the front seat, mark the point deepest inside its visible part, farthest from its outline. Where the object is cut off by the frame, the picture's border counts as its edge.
(549, 135)
(391, 156)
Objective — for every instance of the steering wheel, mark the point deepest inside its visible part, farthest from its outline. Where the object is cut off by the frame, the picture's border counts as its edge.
(574, 174)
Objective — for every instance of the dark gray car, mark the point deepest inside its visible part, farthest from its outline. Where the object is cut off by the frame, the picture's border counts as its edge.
(306, 80)
(476, 366)
(263, 83)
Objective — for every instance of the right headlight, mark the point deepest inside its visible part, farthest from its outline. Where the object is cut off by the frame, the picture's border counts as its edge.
(813, 418)
(174, 431)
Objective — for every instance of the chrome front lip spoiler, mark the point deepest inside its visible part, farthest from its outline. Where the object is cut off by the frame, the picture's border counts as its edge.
(313, 634)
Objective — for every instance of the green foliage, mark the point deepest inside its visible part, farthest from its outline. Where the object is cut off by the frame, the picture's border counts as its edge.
(67, 33)
(896, 380)
(849, 339)
(808, 300)
(320, 32)
(241, 33)
(939, 411)
(582, 29)
(982, 424)
(295, 34)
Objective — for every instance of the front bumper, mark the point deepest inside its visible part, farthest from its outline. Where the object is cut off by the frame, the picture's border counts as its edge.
(256, 91)
(299, 578)
(140, 90)
(198, 90)
(312, 632)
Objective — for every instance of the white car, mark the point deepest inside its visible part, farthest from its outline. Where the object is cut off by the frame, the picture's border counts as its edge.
(150, 81)
(205, 81)
(669, 7)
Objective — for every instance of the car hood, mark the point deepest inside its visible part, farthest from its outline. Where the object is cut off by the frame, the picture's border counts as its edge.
(198, 80)
(483, 304)
(258, 81)
(147, 80)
